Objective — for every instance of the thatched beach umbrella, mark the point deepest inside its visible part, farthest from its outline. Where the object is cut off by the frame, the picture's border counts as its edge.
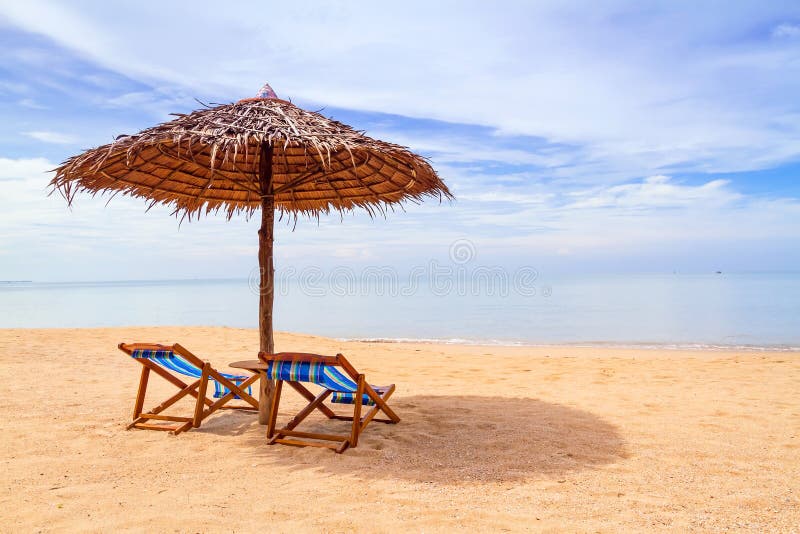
(256, 153)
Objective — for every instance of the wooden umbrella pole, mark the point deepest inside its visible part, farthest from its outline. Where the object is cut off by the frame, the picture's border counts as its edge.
(267, 283)
(266, 289)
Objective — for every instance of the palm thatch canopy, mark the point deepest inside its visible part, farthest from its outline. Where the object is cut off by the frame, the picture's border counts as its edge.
(208, 161)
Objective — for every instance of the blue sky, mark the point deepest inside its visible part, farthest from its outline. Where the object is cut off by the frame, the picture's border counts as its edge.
(620, 137)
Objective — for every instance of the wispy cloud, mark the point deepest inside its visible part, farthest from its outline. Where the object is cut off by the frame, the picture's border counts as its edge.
(31, 103)
(24, 169)
(662, 87)
(656, 192)
(52, 137)
(159, 101)
(786, 31)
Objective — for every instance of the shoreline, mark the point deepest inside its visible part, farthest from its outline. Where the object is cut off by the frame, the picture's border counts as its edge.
(502, 343)
(700, 347)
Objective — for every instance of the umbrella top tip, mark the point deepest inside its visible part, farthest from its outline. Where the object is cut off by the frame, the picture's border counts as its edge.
(266, 92)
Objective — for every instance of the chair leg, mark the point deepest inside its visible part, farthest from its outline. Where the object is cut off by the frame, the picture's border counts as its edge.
(230, 394)
(356, 430)
(302, 390)
(201, 395)
(305, 412)
(275, 399)
(302, 414)
(370, 416)
(380, 400)
(140, 394)
(167, 403)
(234, 389)
(186, 426)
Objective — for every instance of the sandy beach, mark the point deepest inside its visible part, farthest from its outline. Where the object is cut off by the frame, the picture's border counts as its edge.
(491, 438)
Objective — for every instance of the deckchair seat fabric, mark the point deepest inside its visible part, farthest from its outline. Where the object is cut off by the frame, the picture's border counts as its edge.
(174, 362)
(350, 398)
(344, 389)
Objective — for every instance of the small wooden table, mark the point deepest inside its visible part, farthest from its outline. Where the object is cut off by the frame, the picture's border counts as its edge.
(264, 390)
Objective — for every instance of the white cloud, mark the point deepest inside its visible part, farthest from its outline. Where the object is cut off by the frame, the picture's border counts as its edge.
(13, 87)
(496, 194)
(655, 216)
(52, 137)
(649, 89)
(786, 30)
(31, 104)
(551, 230)
(455, 148)
(656, 192)
(29, 169)
(160, 101)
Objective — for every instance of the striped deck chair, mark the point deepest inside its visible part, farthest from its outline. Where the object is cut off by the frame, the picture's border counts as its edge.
(345, 386)
(168, 361)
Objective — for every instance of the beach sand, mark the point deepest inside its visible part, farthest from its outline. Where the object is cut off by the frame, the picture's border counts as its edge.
(491, 438)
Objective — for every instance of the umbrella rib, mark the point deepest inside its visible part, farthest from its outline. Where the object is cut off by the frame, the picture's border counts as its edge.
(378, 169)
(306, 178)
(142, 186)
(333, 188)
(286, 163)
(297, 181)
(327, 176)
(361, 180)
(167, 177)
(224, 174)
(244, 183)
(401, 192)
(173, 172)
(408, 185)
(119, 156)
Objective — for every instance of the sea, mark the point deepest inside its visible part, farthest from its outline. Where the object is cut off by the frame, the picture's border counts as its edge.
(747, 311)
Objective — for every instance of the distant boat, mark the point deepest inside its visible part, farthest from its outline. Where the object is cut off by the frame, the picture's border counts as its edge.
(718, 272)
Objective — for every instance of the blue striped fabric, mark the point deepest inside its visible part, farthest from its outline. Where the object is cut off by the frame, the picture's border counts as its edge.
(174, 362)
(327, 376)
(350, 398)
(315, 372)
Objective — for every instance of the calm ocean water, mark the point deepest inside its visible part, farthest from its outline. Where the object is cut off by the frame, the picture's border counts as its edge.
(715, 310)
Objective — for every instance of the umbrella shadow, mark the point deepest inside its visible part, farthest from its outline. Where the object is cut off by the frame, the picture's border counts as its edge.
(463, 438)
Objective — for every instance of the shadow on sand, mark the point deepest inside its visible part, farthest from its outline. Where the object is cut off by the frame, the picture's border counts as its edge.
(452, 439)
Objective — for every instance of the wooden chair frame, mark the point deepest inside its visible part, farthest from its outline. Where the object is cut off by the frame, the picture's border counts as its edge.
(288, 436)
(197, 389)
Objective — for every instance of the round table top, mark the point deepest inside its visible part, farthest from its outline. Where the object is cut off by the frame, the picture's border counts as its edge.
(250, 365)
